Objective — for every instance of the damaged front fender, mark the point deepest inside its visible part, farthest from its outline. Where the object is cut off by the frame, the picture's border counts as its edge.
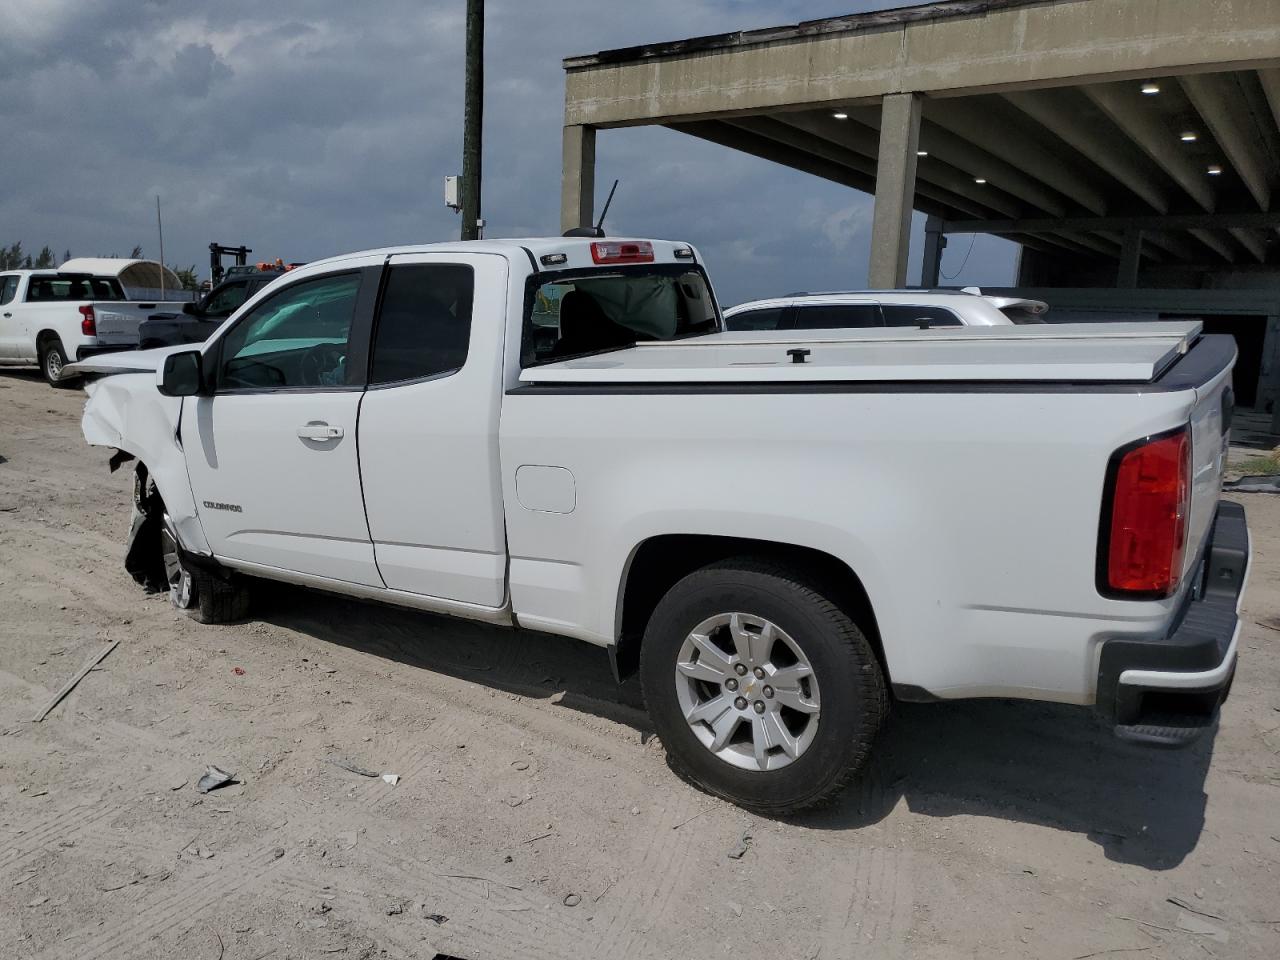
(127, 412)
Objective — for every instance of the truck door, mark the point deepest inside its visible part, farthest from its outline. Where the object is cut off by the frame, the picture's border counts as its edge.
(429, 428)
(272, 452)
(10, 326)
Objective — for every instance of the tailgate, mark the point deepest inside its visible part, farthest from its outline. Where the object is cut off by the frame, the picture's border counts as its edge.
(118, 324)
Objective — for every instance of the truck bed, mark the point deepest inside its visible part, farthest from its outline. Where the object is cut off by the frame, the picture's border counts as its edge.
(1078, 353)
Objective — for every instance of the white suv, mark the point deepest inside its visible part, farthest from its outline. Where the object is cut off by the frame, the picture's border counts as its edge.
(884, 308)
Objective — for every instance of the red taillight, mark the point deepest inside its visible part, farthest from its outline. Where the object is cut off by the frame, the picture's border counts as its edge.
(622, 251)
(1147, 530)
(88, 324)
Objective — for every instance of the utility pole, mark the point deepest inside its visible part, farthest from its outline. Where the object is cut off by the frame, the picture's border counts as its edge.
(473, 121)
(160, 230)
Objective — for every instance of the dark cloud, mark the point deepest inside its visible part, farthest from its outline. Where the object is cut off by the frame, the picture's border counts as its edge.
(311, 128)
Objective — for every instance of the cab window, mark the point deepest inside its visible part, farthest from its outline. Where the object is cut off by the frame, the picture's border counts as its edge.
(223, 302)
(8, 289)
(297, 338)
(424, 324)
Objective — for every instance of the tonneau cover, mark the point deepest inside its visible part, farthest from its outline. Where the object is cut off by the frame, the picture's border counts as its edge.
(1086, 352)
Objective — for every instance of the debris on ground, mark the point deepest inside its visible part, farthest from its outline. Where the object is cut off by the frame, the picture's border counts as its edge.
(347, 840)
(214, 777)
(395, 909)
(1193, 923)
(572, 900)
(1255, 484)
(70, 685)
(238, 671)
(436, 918)
(360, 771)
(1179, 902)
(740, 851)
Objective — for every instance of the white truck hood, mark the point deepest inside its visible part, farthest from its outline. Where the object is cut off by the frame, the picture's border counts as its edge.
(124, 361)
(1086, 352)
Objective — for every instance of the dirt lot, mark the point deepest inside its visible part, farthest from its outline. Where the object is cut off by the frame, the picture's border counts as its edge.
(535, 811)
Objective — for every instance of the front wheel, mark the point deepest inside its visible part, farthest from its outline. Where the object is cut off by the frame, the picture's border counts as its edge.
(761, 688)
(204, 597)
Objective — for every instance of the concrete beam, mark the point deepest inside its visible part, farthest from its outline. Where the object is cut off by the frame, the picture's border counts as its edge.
(863, 140)
(1061, 113)
(1107, 248)
(789, 136)
(1270, 80)
(1204, 221)
(1130, 259)
(1214, 97)
(934, 243)
(1173, 243)
(977, 162)
(578, 178)
(895, 191)
(980, 122)
(1214, 243)
(944, 49)
(1123, 104)
(1251, 240)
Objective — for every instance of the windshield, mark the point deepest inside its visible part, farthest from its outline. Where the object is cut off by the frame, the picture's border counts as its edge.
(574, 314)
(72, 286)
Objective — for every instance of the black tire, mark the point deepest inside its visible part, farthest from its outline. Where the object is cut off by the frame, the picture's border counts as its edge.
(53, 357)
(854, 701)
(216, 600)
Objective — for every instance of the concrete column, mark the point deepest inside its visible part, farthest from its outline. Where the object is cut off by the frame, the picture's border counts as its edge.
(578, 179)
(935, 241)
(1130, 260)
(895, 190)
(1269, 375)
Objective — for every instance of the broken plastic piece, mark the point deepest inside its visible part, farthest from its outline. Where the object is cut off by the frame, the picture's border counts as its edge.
(391, 778)
(213, 778)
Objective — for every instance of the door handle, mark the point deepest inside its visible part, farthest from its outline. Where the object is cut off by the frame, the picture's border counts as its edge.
(319, 431)
(8, 314)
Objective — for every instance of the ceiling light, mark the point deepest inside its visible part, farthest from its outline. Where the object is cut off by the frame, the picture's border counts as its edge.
(841, 116)
(979, 179)
(1151, 89)
(1214, 170)
(1188, 136)
(922, 153)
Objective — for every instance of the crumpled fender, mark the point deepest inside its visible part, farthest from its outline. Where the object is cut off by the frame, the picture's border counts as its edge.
(127, 412)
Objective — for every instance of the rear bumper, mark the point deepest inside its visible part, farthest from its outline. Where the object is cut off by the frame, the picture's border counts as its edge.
(1167, 691)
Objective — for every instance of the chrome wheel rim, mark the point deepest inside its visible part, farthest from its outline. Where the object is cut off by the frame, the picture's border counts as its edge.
(174, 572)
(747, 691)
(53, 363)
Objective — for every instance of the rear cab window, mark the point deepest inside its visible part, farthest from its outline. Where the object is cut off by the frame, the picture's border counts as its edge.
(1023, 314)
(577, 313)
(8, 288)
(424, 322)
(74, 288)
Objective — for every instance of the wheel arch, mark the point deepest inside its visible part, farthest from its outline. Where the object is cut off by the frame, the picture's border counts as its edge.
(658, 563)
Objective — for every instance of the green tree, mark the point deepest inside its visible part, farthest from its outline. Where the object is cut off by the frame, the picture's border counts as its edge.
(135, 253)
(66, 256)
(11, 257)
(188, 277)
(44, 259)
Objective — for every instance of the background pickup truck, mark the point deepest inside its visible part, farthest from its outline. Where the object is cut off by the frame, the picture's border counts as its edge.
(783, 531)
(197, 321)
(51, 318)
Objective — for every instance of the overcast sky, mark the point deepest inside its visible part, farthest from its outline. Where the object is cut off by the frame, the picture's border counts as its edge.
(306, 129)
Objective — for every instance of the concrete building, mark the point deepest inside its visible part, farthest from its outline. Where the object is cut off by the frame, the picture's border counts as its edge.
(1131, 147)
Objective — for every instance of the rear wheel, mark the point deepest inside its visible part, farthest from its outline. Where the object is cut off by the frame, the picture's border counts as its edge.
(762, 689)
(205, 597)
(53, 358)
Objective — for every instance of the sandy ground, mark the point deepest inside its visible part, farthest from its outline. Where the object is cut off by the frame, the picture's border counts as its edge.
(535, 811)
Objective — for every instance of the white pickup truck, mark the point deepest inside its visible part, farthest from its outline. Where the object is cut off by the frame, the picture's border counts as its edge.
(53, 318)
(782, 531)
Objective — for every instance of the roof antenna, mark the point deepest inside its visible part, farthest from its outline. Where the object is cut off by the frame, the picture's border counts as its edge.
(598, 229)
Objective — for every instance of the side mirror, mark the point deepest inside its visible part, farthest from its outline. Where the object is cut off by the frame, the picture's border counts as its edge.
(182, 375)
(188, 308)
